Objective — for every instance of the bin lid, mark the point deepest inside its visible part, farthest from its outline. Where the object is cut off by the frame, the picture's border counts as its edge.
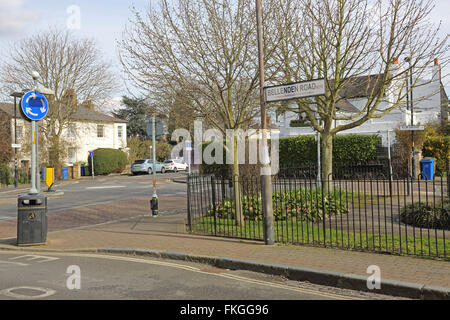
(427, 160)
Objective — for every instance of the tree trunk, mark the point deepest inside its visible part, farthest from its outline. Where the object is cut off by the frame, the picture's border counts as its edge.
(54, 156)
(327, 159)
(236, 185)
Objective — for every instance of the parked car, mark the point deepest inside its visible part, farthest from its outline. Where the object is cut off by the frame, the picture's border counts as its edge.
(146, 166)
(175, 165)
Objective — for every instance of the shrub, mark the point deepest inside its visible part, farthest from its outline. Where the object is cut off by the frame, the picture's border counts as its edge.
(307, 205)
(108, 161)
(427, 215)
(437, 147)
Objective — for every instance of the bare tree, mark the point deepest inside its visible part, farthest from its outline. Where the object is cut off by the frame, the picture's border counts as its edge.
(71, 67)
(205, 52)
(352, 44)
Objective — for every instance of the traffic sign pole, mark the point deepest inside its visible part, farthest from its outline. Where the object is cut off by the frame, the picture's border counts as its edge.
(35, 107)
(15, 142)
(33, 189)
(92, 164)
(154, 201)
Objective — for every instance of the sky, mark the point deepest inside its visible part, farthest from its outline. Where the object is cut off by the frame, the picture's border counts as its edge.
(104, 21)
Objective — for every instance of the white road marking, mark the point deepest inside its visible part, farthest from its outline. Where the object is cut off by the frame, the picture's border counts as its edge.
(46, 292)
(14, 263)
(105, 187)
(30, 257)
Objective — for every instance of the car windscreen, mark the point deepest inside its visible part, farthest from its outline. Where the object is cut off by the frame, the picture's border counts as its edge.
(168, 161)
(139, 161)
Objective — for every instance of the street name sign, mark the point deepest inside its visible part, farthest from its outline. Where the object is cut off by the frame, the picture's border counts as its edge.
(412, 128)
(34, 105)
(16, 145)
(296, 90)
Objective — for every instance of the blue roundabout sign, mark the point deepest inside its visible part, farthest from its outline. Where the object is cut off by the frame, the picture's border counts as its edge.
(34, 105)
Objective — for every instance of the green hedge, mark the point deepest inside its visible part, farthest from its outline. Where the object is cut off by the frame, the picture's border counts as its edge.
(346, 148)
(108, 161)
(437, 147)
(301, 150)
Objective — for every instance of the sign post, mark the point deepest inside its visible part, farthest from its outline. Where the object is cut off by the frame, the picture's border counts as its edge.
(91, 153)
(154, 201)
(188, 154)
(34, 106)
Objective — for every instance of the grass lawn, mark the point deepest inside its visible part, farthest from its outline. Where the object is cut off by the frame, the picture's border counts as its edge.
(308, 233)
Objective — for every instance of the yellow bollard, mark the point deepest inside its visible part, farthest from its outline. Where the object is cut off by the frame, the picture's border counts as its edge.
(49, 177)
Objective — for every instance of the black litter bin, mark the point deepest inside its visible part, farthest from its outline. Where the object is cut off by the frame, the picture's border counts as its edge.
(31, 219)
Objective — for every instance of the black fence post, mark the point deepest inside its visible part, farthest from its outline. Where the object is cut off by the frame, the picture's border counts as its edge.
(447, 165)
(213, 196)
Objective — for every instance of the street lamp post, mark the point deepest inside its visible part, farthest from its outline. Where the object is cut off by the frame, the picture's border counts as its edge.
(411, 109)
(15, 142)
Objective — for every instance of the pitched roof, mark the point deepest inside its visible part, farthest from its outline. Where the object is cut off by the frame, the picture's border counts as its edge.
(83, 114)
(361, 87)
(357, 87)
(87, 114)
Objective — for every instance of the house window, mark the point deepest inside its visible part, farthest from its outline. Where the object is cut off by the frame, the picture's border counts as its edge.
(119, 131)
(100, 131)
(72, 130)
(72, 155)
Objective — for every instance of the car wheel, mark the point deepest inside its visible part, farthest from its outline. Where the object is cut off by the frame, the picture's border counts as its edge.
(175, 169)
(163, 170)
(149, 170)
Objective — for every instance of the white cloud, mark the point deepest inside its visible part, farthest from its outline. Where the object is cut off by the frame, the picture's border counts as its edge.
(13, 18)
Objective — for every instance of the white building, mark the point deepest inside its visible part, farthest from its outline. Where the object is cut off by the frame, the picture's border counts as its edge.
(87, 131)
(430, 104)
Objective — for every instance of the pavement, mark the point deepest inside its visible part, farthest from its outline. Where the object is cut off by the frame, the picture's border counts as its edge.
(134, 231)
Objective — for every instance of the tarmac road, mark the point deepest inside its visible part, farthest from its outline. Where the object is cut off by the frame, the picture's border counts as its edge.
(87, 192)
(88, 276)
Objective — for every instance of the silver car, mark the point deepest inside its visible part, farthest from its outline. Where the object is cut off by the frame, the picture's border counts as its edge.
(146, 166)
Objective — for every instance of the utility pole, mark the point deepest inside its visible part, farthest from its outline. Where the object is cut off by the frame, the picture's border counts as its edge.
(15, 141)
(266, 178)
(154, 201)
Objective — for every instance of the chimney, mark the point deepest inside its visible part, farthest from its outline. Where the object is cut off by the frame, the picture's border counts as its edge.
(436, 76)
(88, 105)
(396, 83)
(70, 97)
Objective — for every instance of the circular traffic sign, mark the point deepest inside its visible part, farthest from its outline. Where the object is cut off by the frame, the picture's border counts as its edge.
(34, 105)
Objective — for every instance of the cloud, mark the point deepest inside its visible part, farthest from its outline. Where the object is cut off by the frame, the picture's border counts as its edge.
(13, 18)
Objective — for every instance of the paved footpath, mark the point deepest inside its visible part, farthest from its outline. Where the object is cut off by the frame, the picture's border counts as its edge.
(133, 230)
